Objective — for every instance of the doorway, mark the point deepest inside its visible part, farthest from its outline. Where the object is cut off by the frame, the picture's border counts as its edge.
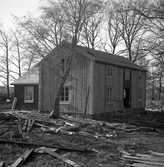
(126, 97)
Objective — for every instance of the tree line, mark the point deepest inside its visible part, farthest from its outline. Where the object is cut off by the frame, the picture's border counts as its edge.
(130, 28)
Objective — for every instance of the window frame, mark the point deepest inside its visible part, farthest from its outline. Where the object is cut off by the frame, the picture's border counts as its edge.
(127, 74)
(109, 95)
(65, 96)
(28, 88)
(109, 71)
(63, 65)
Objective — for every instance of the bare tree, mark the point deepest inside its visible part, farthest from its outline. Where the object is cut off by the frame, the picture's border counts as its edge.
(154, 13)
(5, 69)
(75, 14)
(113, 28)
(17, 54)
(64, 19)
(132, 26)
(92, 29)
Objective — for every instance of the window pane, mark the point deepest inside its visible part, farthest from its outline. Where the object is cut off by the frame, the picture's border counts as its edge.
(62, 94)
(66, 89)
(65, 94)
(63, 65)
(109, 71)
(62, 98)
(66, 98)
(109, 94)
(29, 94)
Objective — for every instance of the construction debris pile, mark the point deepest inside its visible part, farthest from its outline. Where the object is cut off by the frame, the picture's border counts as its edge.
(33, 139)
(142, 160)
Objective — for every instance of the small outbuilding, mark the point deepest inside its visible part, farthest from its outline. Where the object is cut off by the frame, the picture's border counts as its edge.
(26, 90)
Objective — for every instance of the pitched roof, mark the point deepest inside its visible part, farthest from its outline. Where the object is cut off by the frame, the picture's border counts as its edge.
(30, 77)
(107, 58)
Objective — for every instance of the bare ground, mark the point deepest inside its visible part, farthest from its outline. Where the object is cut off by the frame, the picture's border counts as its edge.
(108, 139)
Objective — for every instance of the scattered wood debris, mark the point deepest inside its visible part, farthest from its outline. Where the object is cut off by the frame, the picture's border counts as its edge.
(27, 126)
(60, 157)
(50, 151)
(40, 150)
(143, 160)
(22, 159)
(71, 148)
(74, 136)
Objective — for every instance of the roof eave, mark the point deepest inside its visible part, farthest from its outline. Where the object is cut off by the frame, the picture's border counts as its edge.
(119, 65)
(24, 84)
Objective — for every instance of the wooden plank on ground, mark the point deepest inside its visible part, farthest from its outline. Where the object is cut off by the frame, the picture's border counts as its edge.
(143, 155)
(22, 159)
(29, 125)
(14, 103)
(41, 125)
(41, 151)
(19, 125)
(156, 154)
(151, 161)
(140, 165)
(24, 126)
(54, 154)
(73, 148)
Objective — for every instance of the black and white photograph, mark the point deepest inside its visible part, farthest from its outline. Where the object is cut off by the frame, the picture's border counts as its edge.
(81, 83)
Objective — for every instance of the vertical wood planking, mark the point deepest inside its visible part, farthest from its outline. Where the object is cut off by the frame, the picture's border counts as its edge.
(86, 73)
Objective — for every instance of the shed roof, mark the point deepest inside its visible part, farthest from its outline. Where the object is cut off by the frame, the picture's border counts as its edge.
(30, 77)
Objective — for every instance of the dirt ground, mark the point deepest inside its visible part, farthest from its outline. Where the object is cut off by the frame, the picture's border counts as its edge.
(103, 142)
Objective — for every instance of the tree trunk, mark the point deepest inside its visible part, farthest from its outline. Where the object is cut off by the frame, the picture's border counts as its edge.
(55, 113)
(7, 71)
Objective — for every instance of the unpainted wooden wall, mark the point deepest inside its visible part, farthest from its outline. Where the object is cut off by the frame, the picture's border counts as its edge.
(79, 80)
(101, 82)
(136, 84)
(86, 73)
(19, 94)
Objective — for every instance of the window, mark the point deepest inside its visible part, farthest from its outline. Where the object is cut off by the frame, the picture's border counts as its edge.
(109, 94)
(109, 71)
(65, 94)
(141, 76)
(29, 94)
(63, 65)
(127, 74)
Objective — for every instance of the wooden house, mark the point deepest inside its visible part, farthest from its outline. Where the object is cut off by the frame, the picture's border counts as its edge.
(99, 83)
(26, 90)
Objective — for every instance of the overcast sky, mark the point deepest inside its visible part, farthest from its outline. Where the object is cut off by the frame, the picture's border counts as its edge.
(16, 7)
